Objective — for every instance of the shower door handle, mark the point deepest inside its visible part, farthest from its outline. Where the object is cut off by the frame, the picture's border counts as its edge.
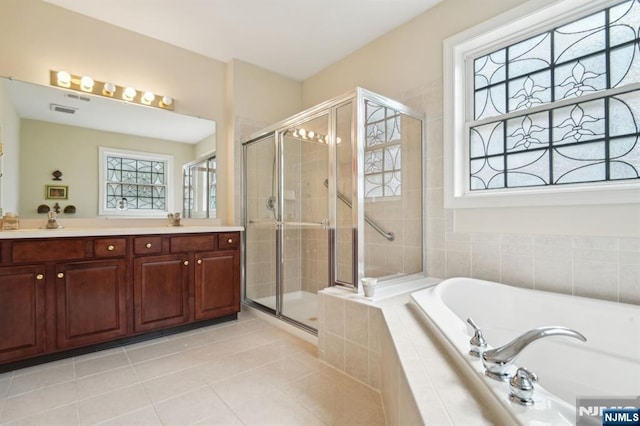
(325, 224)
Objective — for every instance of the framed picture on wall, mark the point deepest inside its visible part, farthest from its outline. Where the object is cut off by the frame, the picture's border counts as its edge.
(56, 192)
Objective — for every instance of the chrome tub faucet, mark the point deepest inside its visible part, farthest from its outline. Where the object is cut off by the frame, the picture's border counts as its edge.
(497, 361)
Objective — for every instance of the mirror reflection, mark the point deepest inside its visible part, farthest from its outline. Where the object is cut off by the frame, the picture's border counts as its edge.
(51, 136)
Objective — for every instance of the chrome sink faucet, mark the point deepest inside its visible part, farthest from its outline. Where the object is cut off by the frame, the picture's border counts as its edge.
(497, 361)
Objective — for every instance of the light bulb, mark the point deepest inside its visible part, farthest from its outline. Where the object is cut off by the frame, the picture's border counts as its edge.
(338, 140)
(109, 89)
(86, 83)
(64, 79)
(129, 94)
(148, 97)
(311, 134)
(303, 133)
(166, 101)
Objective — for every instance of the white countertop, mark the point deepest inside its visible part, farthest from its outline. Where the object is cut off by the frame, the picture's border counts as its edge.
(103, 231)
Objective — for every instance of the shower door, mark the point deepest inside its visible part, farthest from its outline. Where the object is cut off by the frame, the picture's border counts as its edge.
(261, 204)
(287, 251)
(304, 220)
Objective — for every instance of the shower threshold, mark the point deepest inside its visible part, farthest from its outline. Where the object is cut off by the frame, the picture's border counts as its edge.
(300, 306)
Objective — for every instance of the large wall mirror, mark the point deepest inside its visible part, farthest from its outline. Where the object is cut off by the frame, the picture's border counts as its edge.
(46, 129)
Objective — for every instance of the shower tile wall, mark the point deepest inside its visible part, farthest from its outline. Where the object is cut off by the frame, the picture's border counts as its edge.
(313, 200)
(600, 267)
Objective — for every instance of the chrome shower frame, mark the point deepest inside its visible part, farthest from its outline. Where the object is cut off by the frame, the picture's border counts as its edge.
(357, 97)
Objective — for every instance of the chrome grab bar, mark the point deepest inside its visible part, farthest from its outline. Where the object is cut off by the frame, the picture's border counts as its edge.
(388, 235)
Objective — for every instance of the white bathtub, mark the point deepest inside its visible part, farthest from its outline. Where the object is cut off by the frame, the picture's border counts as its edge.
(608, 364)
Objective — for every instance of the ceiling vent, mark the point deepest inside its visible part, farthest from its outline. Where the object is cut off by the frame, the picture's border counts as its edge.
(62, 108)
(78, 98)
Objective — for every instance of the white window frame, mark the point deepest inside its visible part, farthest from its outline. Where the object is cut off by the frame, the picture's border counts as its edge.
(518, 24)
(103, 153)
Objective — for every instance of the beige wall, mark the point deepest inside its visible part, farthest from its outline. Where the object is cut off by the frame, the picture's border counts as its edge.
(10, 138)
(45, 147)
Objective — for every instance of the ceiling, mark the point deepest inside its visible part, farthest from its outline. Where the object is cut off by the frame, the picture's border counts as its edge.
(295, 38)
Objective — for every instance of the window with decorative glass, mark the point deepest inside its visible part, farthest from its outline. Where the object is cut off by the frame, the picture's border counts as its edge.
(558, 107)
(382, 153)
(134, 183)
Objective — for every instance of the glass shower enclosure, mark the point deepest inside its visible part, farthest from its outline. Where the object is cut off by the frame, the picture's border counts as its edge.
(331, 195)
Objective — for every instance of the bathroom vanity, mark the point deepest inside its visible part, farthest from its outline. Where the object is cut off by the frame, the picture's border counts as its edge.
(63, 290)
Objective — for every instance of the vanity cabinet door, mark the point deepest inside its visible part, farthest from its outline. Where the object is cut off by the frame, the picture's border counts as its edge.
(161, 291)
(90, 302)
(217, 284)
(22, 310)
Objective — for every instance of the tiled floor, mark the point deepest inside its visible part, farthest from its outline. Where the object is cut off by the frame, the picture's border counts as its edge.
(241, 372)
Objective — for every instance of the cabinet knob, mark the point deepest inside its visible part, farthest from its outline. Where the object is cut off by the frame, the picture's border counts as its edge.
(230, 240)
(111, 247)
(60, 275)
(148, 245)
(39, 277)
(186, 262)
(199, 261)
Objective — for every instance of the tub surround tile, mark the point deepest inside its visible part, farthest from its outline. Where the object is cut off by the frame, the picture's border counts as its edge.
(334, 350)
(356, 360)
(595, 279)
(598, 243)
(356, 323)
(629, 284)
(334, 315)
(458, 264)
(517, 271)
(554, 275)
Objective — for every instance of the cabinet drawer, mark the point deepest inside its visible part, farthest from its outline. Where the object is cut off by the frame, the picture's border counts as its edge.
(109, 247)
(147, 245)
(228, 240)
(193, 243)
(41, 251)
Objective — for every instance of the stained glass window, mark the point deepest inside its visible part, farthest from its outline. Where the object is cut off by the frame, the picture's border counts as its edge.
(561, 107)
(382, 153)
(142, 182)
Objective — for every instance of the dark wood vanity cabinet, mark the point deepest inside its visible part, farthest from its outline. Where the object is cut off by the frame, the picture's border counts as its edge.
(61, 293)
(161, 291)
(91, 299)
(216, 291)
(22, 311)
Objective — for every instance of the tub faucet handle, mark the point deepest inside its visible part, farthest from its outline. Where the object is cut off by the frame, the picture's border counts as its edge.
(477, 342)
(521, 385)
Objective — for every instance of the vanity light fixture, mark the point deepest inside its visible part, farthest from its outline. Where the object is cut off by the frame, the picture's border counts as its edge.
(310, 135)
(110, 90)
(147, 98)
(129, 94)
(63, 79)
(86, 84)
